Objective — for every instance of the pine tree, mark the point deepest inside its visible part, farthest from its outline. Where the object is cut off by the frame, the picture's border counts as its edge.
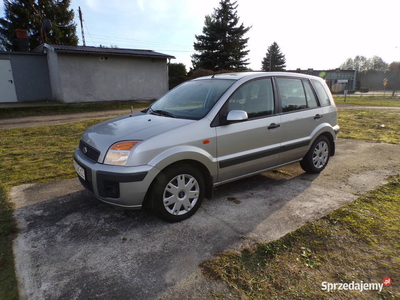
(222, 44)
(29, 15)
(274, 59)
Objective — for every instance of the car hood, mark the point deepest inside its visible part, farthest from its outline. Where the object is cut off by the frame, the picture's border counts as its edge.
(137, 126)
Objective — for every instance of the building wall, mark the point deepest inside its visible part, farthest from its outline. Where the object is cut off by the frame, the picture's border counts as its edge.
(90, 77)
(31, 76)
(54, 76)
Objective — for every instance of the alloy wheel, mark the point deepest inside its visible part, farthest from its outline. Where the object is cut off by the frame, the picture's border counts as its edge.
(321, 154)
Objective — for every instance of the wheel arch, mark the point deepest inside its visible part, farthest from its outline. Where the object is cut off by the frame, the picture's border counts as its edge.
(328, 132)
(330, 137)
(195, 164)
(316, 158)
(203, 169)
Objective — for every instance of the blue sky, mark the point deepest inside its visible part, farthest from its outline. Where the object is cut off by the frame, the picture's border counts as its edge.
(311, 33)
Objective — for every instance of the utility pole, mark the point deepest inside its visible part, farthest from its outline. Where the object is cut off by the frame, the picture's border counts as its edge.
(81, 19)
(43, 36)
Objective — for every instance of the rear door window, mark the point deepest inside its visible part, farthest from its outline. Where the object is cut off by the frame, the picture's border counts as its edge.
(292, 94)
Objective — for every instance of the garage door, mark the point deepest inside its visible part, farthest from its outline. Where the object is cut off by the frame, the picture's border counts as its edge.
(7, 86)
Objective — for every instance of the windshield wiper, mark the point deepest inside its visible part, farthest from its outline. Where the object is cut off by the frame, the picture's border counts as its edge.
(160, 112)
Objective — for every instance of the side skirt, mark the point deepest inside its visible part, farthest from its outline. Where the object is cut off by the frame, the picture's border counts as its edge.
(255, 173)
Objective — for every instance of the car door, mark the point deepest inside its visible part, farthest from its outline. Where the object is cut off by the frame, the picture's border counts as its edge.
(301, 114)
(251, 145)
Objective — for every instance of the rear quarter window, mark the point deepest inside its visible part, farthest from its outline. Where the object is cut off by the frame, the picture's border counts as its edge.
(321, 93)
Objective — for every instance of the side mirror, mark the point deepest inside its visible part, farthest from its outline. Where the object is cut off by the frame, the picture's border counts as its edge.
(236, 116)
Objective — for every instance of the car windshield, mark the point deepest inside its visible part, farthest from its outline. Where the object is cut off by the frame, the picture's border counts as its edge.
(192, 99)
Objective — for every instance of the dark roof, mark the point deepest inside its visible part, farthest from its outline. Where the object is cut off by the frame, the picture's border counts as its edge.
(101, 51)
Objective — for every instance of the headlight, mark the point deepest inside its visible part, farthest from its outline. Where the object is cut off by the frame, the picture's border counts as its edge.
(119, 153)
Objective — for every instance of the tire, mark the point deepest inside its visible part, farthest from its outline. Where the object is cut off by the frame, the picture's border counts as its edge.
(177, 192)
(317, 157)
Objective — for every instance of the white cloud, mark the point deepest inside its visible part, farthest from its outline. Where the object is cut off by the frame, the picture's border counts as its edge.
(160, 5)
(92, 4)
(141, 5)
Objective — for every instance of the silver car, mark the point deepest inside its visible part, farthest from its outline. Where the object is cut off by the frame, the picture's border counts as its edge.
(207, 132)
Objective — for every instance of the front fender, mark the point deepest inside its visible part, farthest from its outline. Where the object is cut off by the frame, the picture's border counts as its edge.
(185, 152)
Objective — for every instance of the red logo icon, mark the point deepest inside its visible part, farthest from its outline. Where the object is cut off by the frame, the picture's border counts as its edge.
(387, 281)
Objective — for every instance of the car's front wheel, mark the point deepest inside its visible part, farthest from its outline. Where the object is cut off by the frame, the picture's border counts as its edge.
(317, 157)
(177, 192)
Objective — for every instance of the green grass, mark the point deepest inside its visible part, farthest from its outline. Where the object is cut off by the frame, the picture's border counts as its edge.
(370, 125)
(39, 154)
(358, 242)
(368, 100)
(8, 282)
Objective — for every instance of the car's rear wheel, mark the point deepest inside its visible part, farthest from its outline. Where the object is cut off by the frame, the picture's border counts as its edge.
(317, 157)
(177, 192)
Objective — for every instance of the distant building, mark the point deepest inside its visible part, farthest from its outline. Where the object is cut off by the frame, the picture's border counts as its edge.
(337, 80)
(82, 74)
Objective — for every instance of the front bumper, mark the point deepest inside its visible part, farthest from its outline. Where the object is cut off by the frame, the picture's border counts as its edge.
(336, 129)
(116, 185)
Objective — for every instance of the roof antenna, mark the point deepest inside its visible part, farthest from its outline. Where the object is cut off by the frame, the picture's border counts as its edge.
(215, 73)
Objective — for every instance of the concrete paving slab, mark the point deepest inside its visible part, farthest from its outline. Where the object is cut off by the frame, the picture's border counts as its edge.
(71, 246)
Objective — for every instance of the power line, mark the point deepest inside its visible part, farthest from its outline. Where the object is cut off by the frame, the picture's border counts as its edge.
(161, 46)
(102, 39)
(89, 33)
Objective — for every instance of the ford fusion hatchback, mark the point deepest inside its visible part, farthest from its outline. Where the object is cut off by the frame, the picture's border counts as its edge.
(207, 132)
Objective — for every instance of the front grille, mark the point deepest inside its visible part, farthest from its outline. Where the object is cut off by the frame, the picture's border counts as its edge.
(90, 152)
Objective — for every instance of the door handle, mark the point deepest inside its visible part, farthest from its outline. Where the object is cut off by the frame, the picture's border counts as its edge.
(10, 81)
(273, 126)
(318, 116)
